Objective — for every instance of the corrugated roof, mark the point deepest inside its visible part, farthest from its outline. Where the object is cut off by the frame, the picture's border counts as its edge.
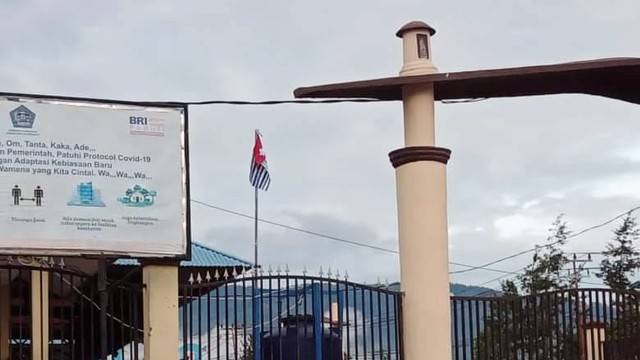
(201, 256)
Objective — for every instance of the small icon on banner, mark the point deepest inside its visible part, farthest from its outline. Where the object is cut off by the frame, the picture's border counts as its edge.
(138, 196)
(86, 195)
(18, 199)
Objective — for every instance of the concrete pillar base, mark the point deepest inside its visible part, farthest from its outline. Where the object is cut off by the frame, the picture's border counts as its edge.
(161, 318)
(40, 315)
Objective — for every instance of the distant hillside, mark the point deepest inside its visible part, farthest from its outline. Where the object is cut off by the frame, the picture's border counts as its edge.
(470, 290)
(460, 290)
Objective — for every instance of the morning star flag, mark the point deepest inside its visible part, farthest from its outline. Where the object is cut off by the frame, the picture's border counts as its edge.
(259, 175)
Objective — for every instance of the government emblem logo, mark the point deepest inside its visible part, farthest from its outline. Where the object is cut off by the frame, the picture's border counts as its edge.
(23, 118)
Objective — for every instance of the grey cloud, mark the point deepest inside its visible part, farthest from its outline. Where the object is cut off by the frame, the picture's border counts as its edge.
(281, 247)
(332, 159)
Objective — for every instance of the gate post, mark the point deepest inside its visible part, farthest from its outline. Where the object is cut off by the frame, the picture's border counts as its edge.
(318, 332)
(161, 318)
(422, 209)
(5, 320)
(39, 315)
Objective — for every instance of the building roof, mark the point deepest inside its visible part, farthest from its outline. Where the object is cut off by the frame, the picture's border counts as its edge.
(201, 257)
(615, 78)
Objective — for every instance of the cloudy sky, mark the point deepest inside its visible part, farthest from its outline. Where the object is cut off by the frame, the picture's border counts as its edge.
(571, 154)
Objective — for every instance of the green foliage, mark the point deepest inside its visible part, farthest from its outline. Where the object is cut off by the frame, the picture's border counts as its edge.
(518, 324)
(627, 323)
(545, 273)
(509, 288)
(247, 349)
(524, 321)
(622, 260)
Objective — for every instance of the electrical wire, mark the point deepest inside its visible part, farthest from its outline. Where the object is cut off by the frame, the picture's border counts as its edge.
(350, 242)
(519, 271)
(373, 247)
(548, 245)
(487, 269)
(288, 227)
(306, 101)
(280, 102)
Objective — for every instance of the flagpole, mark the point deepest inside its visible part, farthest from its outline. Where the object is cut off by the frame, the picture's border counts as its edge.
(257, 294)
(255, 233)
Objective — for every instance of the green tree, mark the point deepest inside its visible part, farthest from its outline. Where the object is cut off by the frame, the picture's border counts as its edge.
(523, 321)
(621, 262)
(545, 273)
(494, 342)
(621, 259)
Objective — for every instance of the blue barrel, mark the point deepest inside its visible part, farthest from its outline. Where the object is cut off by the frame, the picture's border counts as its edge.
(295, 340)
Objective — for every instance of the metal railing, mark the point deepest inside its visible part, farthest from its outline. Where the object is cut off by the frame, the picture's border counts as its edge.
(572, 324)
(54, 312)
(623, 349)
(289, 317)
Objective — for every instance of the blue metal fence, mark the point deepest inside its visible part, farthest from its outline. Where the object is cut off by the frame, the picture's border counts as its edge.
(287, 317)
(573, 324)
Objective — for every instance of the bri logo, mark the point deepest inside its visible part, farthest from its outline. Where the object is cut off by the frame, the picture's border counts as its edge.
(21, 117)
(138, 120)
(142, 125)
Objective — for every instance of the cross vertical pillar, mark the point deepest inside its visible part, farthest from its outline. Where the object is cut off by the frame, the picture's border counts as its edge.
(422, 209)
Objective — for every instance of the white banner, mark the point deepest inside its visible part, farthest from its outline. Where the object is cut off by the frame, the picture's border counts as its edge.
(80, 177)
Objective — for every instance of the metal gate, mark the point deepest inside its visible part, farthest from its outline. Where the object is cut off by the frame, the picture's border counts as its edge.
(49, 309)
(283, 316)
(584, 324)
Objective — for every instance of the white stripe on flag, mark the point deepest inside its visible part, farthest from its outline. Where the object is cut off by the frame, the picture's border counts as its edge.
(259, 176)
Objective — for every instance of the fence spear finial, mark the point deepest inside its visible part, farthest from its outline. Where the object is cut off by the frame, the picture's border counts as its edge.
(199, 278)
(208, 276)
(320, 272)
(225, 275)
(191, 280)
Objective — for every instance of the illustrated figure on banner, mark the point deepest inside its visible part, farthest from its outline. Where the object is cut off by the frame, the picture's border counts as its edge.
(16, 192)
(38, 194)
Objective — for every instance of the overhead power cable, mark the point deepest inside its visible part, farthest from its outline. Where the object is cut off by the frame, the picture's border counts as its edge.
(306, 101)
(17, 96)
(374, 247)
(280, 102)
(548, 245)
(329, 237)
(296, 229)
(519, 272)
(487, 269)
